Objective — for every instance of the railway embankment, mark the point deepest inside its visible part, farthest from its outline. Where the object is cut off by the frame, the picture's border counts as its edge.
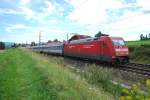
(140, 51)
(120, 83)
(25, 75)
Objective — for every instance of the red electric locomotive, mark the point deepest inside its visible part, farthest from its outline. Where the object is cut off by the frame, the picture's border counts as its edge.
(103, 48)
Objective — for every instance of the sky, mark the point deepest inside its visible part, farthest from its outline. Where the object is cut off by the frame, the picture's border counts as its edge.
(22, 20)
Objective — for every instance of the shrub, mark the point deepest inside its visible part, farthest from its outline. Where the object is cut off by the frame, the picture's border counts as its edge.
(2, 45)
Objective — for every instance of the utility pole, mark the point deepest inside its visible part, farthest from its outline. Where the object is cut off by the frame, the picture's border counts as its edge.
(26, 43)
(67, 37)
(39, 38)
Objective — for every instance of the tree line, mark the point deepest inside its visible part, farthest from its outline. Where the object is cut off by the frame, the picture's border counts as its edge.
(146, 37)
(2, 45)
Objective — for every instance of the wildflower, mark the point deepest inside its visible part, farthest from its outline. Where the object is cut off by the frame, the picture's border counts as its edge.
(128, 98)
(147, 99)
(122, 98)
(148, 82)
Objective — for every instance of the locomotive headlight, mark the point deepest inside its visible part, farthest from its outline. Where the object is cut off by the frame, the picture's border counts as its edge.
(118, 50)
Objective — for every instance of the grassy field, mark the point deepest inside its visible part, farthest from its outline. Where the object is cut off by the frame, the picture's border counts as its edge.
(138, 43)
(26, 75)
(140, 51)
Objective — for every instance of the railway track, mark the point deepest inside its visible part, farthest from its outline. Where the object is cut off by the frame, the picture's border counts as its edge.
(142, 69)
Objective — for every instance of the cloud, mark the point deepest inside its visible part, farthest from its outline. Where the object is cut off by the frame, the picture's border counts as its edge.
(15, 27)
(144, 4)
(24, 10)
(25, 33)
(130, 21)
(46, 11)
(27, 12)
(55, 18)
(9, 11)
(93, 14)
(129, 24)
(50, 7)
(24, 2)
(93, 11)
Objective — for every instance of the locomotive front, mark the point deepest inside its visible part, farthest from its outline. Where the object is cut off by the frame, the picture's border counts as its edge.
(121, 50)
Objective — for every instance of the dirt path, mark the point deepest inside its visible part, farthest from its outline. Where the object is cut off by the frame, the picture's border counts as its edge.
(1, 51)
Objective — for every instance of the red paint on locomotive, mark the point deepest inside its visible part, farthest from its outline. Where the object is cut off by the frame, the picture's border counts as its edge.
(104, 48)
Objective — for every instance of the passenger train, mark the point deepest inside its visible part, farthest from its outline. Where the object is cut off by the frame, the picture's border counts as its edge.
(103, 48)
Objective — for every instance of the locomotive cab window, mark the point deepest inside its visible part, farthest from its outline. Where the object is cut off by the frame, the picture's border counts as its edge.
(118, 42)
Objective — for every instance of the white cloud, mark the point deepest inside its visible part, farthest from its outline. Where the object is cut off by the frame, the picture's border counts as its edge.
(130, 23)
(92, 11)
(145, 4)
(9, 11)
(24, 2)
(50, 7)
(47, 9)
(27, 12)
(93, 15)
(15, 27)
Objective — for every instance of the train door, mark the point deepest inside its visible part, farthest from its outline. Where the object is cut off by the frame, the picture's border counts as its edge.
(101, 50)
(104, 51)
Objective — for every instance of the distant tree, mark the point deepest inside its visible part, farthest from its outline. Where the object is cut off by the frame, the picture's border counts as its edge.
(23, 45)
(99, 34)
(14, 45)
(141, 37)
(55, 40)
(49, 41)
(19, 45)
(149, 35)
(2, 45)
(33, 43)
(146, 37)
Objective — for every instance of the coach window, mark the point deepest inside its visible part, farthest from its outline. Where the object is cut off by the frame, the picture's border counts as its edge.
(88, 40)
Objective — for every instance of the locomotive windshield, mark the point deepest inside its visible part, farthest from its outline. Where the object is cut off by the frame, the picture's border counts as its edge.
(118, 42)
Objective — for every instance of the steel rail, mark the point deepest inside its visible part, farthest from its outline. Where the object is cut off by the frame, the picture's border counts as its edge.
(143, 69)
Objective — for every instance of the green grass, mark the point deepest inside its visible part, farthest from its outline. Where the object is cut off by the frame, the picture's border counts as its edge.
(26, 75)
(139, 51)
(138, 43)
